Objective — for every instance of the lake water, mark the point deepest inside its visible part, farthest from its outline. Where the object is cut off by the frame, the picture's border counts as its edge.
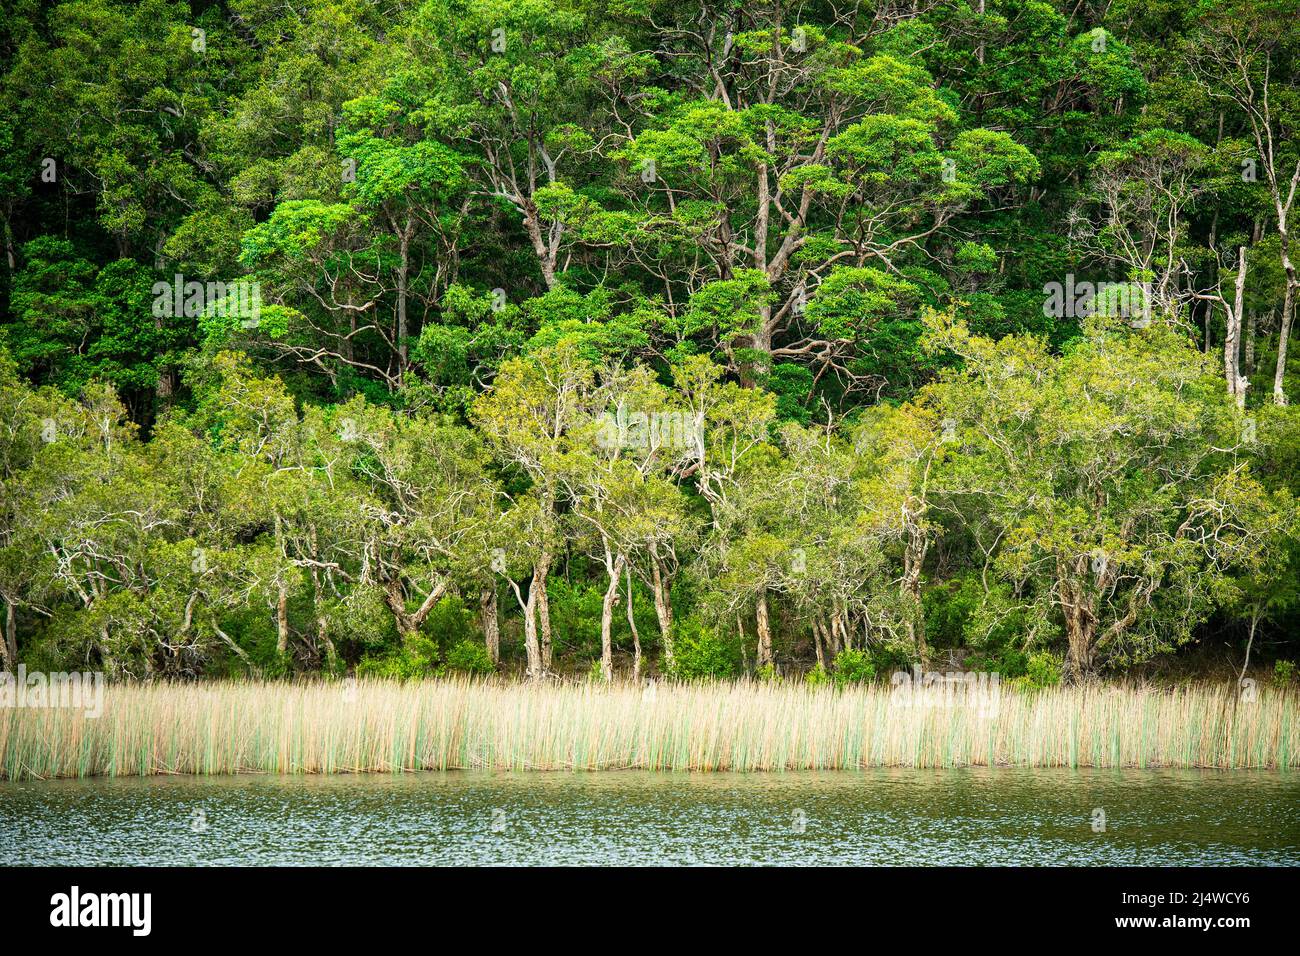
(897, 817)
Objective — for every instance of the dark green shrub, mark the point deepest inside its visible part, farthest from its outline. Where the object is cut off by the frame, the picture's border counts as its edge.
(417, 658)
(853, 667)
(470, 657)
(701, 654)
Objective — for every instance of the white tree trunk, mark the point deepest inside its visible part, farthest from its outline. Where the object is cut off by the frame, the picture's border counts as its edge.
(764, 630)
(615, 570)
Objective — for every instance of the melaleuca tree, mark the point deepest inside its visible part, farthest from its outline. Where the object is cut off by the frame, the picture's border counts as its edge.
(1123, 510)
(430, 502)
(540, 413)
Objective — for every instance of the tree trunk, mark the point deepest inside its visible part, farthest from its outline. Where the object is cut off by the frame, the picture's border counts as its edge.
(818, 644)
(751, 369)
(913, 562)
(636, 635)
(487, 605)
(323, 635)
(535, 667)
(10, 256)
(396, 602)
(164, 389)
(282, 594)
(1232, 340)
(322, 623)
(845, 641)
(615, 571)
(764, 631)
(282, 620)
(833, 632)
(1250, 642)
(1080, 629)
(318, 595)
(1288, 305)
(1288, 298)
(1248, 360)
(404, 260)
(662, 587)
(531, 648)
(10, 647)
(545, 257)
(537, 593)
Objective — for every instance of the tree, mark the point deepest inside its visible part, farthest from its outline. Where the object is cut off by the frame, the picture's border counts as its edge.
(538, 414)
(1117, 510)
(1237, 57)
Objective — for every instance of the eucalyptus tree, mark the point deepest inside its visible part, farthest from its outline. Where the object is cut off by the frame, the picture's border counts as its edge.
(791, 150)
(1244, 55)
(354, 262)
(1143, 193)
(531, 89)
(408, 182)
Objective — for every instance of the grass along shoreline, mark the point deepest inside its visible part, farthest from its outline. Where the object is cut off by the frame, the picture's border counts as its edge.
(377, 726)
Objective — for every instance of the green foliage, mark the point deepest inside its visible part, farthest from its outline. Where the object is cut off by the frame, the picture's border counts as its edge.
(416, 659)
(702, 654)
(469, 657)
(753, 322)
(817, 677)
(1042, 669)
(853, 666)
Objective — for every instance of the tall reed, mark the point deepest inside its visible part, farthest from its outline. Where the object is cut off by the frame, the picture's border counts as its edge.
(462, 724)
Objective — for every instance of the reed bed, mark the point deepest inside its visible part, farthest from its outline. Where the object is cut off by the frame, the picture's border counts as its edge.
(311, 728)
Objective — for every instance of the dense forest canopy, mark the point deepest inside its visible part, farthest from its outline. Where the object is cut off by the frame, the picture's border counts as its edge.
(647, 334)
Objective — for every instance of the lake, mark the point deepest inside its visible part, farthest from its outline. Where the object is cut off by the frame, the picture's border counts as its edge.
(890, 816)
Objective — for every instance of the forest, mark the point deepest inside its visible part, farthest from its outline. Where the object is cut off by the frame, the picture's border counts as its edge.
(614, 338)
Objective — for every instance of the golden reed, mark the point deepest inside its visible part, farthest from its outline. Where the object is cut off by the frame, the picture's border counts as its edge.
(350, 726)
